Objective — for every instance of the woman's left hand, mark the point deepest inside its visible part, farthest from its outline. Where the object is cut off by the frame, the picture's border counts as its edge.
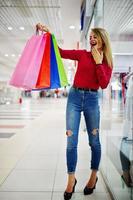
(98, 57)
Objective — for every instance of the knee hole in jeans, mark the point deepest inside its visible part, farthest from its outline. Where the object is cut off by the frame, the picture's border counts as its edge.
(95, 131)
(69, 133)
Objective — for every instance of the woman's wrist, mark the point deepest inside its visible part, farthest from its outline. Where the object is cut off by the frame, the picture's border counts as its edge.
(98, 63)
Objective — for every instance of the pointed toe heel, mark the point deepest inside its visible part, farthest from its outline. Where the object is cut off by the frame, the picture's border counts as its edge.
(68, 195)
(88, 190)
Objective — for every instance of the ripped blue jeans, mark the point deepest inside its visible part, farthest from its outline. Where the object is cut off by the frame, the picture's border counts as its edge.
(86, 102)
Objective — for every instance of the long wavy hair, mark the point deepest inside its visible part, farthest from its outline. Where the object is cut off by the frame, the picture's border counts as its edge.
(107, 52)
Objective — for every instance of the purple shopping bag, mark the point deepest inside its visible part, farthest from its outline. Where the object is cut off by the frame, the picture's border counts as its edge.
(28, 67)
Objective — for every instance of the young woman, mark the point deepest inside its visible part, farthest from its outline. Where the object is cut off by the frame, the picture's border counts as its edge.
(94, 70)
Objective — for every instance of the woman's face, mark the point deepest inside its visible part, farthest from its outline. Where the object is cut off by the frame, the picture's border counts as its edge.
(95, 41)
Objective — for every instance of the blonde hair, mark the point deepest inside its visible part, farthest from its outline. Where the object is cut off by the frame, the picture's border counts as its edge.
(107, 52)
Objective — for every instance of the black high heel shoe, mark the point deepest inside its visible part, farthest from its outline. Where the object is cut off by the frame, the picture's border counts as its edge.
(68, 195)
(88, 190)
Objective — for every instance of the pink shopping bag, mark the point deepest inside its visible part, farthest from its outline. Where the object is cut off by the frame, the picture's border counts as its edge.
(28, 67)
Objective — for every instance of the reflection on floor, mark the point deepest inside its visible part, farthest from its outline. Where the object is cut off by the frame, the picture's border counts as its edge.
(33, 159)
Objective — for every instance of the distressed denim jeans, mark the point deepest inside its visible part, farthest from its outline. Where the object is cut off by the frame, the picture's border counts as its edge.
(86, 102)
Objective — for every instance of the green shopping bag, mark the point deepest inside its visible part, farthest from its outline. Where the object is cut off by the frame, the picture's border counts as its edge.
(61, 70)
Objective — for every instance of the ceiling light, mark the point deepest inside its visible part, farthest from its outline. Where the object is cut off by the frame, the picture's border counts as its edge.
(13, 55)
(10, 28)
(123, 54)
(6, 55)
(19, 55)
(21, 28)
(72, 27)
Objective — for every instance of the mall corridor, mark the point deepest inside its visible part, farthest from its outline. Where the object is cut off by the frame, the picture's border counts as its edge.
(55, 53)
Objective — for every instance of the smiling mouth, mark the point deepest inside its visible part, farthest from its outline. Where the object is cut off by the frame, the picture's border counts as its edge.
(93, 43)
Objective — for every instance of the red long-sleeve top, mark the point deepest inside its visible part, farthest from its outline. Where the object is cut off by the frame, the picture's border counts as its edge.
(89, 74)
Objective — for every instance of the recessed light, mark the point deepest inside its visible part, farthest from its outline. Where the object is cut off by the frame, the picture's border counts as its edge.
(123, 54)
(6, 55)
(13, 55)
(72, 27)
(10, 28)
(19, 55)
(21, 28)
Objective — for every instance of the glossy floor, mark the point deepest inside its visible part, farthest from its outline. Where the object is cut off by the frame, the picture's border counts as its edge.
(33, 158)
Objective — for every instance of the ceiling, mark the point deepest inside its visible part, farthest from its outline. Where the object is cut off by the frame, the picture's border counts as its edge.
(58, 15)
(119, 17)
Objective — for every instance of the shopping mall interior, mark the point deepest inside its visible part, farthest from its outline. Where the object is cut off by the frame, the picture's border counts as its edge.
(32, 121)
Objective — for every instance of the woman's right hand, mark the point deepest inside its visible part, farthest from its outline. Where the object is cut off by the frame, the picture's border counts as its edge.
(97, 56)
(41, 27)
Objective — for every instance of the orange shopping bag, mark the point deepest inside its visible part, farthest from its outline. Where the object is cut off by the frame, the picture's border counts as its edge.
(44, 74)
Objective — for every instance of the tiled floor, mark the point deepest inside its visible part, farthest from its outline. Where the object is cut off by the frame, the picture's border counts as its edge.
(33, 160)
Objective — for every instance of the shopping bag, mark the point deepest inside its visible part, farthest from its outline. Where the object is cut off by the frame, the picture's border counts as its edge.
(40, 66)
(57, 72)
(44, 73)
(27, 69)
(61, 70)
(54, 75)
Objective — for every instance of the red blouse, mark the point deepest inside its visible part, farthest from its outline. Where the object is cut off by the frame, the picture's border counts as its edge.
(89, 74)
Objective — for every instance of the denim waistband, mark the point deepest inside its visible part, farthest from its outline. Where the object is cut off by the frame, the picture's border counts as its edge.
(85, 89)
